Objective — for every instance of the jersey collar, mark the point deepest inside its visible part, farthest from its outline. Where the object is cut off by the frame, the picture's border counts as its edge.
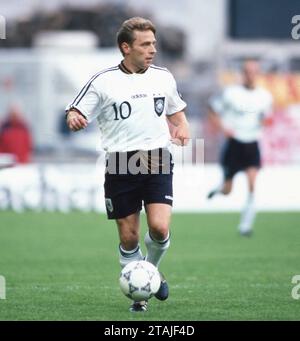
(125, 70)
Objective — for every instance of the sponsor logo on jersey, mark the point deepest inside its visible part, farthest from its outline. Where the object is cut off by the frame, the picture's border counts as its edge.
(159, 105)
(109, 204)
(139, 96)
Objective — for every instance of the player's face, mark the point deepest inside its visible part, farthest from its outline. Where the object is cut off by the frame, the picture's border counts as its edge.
(251, 71)
(142, 51)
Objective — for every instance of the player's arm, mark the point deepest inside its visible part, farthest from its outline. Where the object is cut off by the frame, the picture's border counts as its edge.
(216, 107)
(76, 120)
(216, 121)
(84, 109)
(179, 128)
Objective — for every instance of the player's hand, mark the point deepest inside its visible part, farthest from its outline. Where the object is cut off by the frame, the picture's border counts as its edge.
(75, 121)
(181, 135)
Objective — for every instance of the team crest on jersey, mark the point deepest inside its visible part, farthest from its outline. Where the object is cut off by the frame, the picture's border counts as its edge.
(109, 204)
(159, 105)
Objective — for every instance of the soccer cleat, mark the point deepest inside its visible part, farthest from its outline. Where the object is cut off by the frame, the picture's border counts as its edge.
(247, 233)
(211, 194)
(138, 307)
(163, 291)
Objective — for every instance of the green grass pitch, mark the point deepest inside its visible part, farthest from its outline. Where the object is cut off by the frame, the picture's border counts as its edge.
(65, 267)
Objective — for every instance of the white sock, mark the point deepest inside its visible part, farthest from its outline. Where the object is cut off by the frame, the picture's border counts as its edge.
(126, 257)
(248, 215)
(156, 249)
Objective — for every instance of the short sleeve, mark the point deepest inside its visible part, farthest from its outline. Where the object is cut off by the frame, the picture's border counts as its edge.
(87, 102)
(175, 102)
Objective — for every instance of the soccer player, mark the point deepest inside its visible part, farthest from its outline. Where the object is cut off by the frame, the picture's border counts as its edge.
(240, 113)
(132, 102)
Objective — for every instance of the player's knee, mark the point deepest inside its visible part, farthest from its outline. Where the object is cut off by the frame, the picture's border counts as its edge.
(159, 230)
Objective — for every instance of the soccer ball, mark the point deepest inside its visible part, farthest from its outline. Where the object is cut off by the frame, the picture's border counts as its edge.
(139, 280)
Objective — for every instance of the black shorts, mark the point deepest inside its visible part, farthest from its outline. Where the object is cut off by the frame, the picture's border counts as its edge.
(237, 156)
(125, 192)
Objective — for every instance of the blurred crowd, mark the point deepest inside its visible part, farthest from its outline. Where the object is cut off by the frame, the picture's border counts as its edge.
(15, 136)
(104, 20)
(197, 79)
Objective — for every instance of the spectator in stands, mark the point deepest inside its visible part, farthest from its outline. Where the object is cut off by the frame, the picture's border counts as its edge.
(15, 137)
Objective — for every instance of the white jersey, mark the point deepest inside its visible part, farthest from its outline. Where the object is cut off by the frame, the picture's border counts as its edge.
(130, 107)
(242, 110)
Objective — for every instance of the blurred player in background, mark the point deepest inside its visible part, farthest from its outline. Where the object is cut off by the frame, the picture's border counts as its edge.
(240, 113)
(132, 103)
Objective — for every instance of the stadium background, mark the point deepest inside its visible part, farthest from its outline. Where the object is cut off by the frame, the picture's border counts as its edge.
(50, 50)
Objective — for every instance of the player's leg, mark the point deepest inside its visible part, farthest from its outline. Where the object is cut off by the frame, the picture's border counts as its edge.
(250, 156)
(230, 167)
(157, 239)
(158, 199)
(129, 249)
(251, 173)
(249, 212)
(226, 187)
(123, 204)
